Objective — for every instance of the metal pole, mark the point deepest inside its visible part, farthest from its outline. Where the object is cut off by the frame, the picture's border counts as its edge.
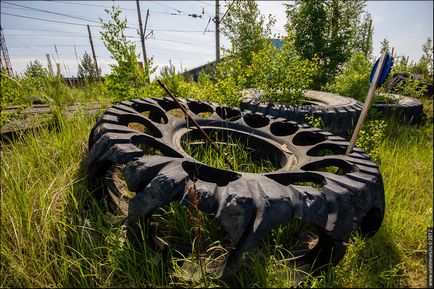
(367, 104)
(217, 30)
(202, 132)
(93, 52)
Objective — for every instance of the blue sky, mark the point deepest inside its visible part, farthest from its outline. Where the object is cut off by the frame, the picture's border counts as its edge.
(176, 36)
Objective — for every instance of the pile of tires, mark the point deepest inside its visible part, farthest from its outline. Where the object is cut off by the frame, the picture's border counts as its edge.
(315, 181)
(339, 114)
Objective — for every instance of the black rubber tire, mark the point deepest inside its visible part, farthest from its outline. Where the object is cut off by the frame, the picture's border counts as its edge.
(338, 113)
(408, 109)
(246, 205)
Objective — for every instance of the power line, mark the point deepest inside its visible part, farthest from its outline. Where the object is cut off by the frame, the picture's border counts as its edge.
(46, 35)
(181, 42)
(210, 4)
(166, 6)
(42, 19)
(151, 11)
(51, 12)
(45, 30)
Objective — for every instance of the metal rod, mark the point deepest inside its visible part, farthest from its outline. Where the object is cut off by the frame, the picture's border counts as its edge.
(367, 104)
(214, 146)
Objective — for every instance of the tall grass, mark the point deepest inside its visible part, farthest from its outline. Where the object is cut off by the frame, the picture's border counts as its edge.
(54, 233)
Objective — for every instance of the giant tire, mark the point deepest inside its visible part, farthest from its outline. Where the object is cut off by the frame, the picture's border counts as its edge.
(408, 109)
(246, 205)
(338, 113)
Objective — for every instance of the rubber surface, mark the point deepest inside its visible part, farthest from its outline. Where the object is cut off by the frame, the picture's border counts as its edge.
(306, 186)
(338, 113)
(408, 109)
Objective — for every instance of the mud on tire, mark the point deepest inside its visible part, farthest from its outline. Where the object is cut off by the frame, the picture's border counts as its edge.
(138, 145)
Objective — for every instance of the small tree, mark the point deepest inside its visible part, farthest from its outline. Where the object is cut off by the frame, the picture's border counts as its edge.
(247, 29)
(35, 70)
(127, 79)
(385, 45)
(87, 69)
(425, 63)
(282, 74)
(354, 79)
(329, 31)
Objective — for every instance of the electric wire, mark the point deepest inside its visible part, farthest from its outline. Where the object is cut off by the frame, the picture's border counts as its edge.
(51, 12)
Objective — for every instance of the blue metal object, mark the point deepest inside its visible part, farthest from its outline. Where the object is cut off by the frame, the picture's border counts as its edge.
(388, 63)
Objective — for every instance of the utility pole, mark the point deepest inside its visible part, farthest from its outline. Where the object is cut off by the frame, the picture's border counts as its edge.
(217, 30)
(5, 54)
(142, 35)
(93, 52)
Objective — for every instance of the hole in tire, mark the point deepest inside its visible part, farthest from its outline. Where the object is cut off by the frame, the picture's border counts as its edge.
(195, 239)
(308, 138)
(139, 124)
(201, 109)
(118, 194)
(283, 128)
(287, 247)
(246, 152)
(228, 113)
(150, 112)
(334, 166)
(255, 120)
(326, 149)
(299, 179)
(176, 112)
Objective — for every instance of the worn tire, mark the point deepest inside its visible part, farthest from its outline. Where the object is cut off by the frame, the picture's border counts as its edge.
(408, 109)
(246, 205)
(338, 113)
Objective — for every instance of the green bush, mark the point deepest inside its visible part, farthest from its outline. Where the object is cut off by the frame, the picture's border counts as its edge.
(281, 73)
(127, 79)
(371, 136)
(354, 79)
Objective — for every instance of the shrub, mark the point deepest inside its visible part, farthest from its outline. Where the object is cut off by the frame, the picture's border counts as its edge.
(127, 79)
(281, 73)
(354, 79)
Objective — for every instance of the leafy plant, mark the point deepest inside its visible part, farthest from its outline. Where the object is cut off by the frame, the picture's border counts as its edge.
(281, 73)
(371, 136)
(353, 81)
(315, 121)
(330, 31)
(127, 79)
(247, 29)
(35, 70)
(87, 69)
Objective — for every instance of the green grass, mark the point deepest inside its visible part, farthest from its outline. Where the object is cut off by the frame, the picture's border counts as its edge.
(241, 157)
(53, 231)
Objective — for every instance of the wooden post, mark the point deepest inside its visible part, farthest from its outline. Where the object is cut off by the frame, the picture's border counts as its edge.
(368, 101)
(50, 66)
(142, 35)
(217, 30)
(93, 53)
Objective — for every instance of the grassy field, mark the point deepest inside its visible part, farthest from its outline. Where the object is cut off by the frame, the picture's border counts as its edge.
(54, 233)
